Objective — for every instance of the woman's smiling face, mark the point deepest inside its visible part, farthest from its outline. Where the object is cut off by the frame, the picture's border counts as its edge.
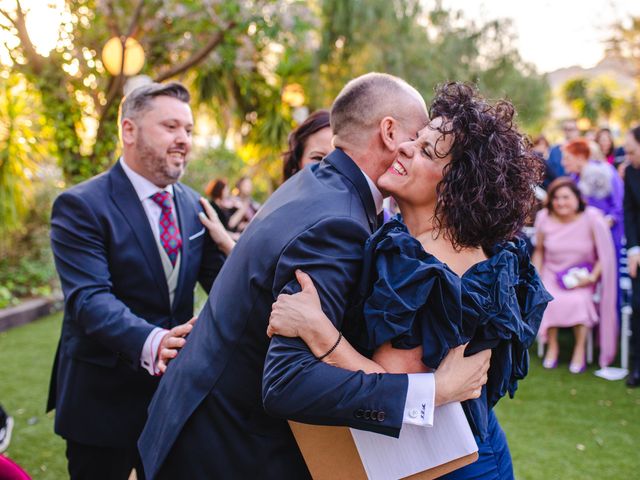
(416, 172)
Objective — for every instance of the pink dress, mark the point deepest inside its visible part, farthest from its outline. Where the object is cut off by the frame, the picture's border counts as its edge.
(584, 240)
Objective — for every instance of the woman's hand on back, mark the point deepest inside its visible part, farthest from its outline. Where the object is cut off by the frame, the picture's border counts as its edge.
(216, 229)
(301, 315)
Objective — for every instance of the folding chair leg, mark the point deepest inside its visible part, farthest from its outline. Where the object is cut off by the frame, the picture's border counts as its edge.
(590, 346)
(540, 348)
(625, 333)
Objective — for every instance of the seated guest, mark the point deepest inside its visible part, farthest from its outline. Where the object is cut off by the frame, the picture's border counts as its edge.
(573, 253)
(309, 143)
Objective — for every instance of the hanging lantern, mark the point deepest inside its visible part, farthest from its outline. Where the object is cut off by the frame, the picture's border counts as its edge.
(133, 56)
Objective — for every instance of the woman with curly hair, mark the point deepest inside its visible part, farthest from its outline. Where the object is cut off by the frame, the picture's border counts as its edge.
(450, 270)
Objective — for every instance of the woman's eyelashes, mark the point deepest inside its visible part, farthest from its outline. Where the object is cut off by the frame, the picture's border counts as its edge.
(424, 149)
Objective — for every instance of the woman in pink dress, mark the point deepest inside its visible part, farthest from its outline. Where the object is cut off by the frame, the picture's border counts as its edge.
(574, 253)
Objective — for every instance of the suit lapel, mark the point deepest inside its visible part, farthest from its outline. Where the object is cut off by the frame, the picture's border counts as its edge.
(183, 207)
(124, 196)
(347, 167)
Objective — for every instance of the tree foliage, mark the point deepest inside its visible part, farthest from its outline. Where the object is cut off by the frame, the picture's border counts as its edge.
(595, 99)
(625, 42)
(22, 154)
(80, 97)
(426, 45)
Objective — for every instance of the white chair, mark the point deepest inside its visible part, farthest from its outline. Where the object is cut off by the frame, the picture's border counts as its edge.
(589, 347)
(625, 334)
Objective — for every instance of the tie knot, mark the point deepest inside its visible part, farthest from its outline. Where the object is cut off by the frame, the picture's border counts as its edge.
(163, 199)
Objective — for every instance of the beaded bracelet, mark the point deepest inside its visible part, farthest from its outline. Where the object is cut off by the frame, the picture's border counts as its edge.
(332, 348)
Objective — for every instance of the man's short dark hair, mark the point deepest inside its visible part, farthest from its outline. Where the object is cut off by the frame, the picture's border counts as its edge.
(139, 99)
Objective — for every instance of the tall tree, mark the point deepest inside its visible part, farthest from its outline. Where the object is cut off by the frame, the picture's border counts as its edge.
(22, 151)
(625, 42)
(80, 97)
(425, 44)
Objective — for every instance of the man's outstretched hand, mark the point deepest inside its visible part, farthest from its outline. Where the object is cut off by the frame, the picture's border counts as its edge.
(172, 342)
(460, 378)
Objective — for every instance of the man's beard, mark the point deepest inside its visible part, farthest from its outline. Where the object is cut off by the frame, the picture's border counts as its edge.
(157, 164)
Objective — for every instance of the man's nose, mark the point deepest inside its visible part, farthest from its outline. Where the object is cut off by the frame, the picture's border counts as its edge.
(183, 137)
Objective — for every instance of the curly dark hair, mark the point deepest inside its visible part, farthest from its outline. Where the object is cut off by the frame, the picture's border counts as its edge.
(487, 189)
(298, 140)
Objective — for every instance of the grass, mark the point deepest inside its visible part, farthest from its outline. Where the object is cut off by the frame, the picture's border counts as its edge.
(26, 357)
(572, 427)
(559, 426)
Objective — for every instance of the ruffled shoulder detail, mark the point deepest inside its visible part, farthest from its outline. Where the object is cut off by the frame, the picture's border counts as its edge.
(508, 299)
(415, 299)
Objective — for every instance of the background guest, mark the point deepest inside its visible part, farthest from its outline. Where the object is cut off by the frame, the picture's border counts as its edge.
(309, 143)
(613, 155)
(243, 206)
(600, 186)
(129, 249)
(541, 148)
(571, 132)
(569, 234)
(6, 427)
(217, 192)
(632, 231)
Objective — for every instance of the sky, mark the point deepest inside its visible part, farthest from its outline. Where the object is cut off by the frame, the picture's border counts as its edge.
(554, 34)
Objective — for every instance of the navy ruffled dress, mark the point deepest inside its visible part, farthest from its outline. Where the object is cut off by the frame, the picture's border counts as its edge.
(413, 299)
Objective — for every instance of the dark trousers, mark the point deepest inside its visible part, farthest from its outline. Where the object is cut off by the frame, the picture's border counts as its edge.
(635, 324)
(88, 462)
(202, 453)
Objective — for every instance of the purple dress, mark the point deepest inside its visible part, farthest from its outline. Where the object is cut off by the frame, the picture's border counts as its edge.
(602, 188)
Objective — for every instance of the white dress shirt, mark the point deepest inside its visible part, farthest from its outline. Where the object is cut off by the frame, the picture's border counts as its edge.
(145, 190)
(421, 392)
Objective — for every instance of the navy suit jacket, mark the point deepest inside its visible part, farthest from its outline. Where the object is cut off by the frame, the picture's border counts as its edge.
(115, 294)
(318, 222)
(632, 206)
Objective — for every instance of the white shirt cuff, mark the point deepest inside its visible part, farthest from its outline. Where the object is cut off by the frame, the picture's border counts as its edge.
(633, 251)
(149, 355)
(420, 403)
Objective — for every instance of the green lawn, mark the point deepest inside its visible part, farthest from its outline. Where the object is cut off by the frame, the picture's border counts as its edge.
(26, 356)
(559, 426)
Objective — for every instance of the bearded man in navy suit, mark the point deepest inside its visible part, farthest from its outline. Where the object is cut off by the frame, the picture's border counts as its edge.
(129, 248)
(220, 409)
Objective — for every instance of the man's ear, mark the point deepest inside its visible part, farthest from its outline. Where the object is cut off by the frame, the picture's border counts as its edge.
(389, 133)
(129, 132)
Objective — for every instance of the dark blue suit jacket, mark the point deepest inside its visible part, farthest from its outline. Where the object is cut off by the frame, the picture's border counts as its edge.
(115, 294)
(317, 221)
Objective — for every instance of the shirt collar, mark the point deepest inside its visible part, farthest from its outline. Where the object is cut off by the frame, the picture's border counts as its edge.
(143, 187)
(377, 196)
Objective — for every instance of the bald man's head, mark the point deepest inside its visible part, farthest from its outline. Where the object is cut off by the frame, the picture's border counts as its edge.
(366, 100)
